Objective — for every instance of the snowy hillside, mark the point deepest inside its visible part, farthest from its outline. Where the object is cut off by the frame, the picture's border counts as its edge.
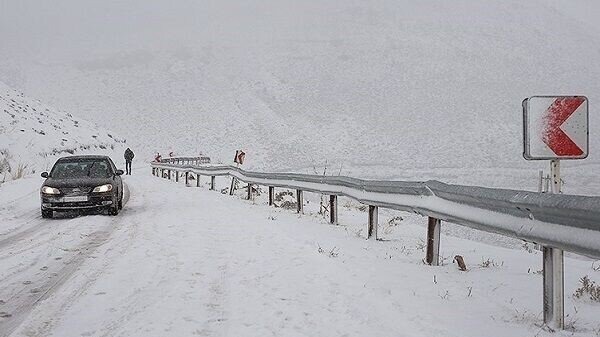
(384, 88)
(33, 135)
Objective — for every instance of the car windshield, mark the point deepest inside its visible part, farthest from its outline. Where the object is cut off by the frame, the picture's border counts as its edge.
(93, 168)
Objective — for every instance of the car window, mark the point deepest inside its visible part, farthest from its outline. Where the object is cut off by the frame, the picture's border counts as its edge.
(81, 169)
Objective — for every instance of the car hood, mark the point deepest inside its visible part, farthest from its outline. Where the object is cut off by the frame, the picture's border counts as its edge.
(77, 182)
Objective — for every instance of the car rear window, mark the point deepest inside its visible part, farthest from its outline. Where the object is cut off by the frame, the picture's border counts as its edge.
(92, 168)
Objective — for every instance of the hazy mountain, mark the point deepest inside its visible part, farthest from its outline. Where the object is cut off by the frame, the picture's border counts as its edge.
(380, 87)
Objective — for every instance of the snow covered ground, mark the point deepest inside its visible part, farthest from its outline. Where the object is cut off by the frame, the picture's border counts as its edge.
(33, 135)
(186, 261)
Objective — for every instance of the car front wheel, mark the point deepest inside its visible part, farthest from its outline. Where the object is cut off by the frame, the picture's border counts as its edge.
(114, 208)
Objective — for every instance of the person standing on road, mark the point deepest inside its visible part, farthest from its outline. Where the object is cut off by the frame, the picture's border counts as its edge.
(128, 158)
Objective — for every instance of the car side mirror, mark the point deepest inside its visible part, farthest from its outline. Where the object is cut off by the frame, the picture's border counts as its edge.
(120, 172)
(45, 175)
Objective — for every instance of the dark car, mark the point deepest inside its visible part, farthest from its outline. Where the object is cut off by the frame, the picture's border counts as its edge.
(78, 183)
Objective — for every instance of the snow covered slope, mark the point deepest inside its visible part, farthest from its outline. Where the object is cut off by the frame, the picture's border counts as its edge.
(32, 135)
(387, 88)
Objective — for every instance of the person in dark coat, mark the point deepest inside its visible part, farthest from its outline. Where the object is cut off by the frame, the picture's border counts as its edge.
(128, 158)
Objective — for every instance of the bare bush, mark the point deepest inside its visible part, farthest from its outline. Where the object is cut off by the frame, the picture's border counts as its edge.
(589, 289)
(421, 245)
(393, 222)
(487, 263)
(9, 172)
(535, 272)
(529, 247)
(19, 172)
(285, 199)
(334, 252)
(4, 163)
(363, 208)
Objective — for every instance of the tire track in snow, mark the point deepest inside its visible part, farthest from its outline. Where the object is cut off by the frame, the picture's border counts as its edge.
(35, 227)
(217, 322)
(25, 295)
(29, 293)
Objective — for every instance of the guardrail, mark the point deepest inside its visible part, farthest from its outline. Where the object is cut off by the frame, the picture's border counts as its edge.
(556, 221)
(202, 160)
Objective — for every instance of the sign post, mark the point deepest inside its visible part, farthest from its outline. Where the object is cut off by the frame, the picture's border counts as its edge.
(238, 160)
(555, 128)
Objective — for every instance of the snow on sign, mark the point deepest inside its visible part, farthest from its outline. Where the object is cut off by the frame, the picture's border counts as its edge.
(555, 127)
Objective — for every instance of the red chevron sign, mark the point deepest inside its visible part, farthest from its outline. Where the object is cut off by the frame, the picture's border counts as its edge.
(556, 127)
(557, 140)
(239, 157)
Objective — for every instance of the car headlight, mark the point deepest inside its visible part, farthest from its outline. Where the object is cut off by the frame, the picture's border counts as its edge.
(103, 188)
(50, 190)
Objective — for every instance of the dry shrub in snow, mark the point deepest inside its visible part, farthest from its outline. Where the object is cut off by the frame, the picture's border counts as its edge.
(489, 263)
(4, 164)
(19, 172)
(363, 208)
(393, 222)
(421, 245)
(9, 172)
(285, 199)
(589, 289)
(334, 252)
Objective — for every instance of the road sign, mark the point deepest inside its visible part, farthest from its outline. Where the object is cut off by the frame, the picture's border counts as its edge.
(239, 157)
(239, 160)
(555, 127)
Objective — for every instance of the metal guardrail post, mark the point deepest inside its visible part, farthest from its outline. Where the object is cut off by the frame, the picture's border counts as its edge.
(169, 174)
(271, 195)
(197, 180)
(433, 241)
(554, 288)
(300, 201)
(553, 269)
(333, 209)
(232, 187)
(249, 191)
(212, 183)
(373, 222)
(187, 178)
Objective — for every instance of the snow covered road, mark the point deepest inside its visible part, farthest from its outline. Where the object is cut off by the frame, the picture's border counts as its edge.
(191, 262)
(38, 255)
